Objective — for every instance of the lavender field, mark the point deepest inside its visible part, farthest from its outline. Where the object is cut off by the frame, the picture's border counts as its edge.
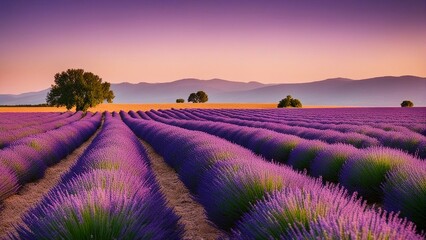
(338, 173)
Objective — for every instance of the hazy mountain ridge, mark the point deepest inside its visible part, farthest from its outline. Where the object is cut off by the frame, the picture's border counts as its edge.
(379, 91)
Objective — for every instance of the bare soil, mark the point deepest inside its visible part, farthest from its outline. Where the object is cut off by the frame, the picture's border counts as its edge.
(192, 214)
(31, 193)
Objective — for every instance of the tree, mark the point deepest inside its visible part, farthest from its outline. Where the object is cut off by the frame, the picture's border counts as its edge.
(199, 97)
(80, 89)
(289, 101)
(407, 103)
(193, 98)
(180, 100)
(296, 103)
(286, 102)
(202, 96)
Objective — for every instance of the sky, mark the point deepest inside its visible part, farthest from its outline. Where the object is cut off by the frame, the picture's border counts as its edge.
(286, 41)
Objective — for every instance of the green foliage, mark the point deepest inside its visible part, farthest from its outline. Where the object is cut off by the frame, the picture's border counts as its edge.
(407, 103)
(366, 172)
(290, 102)
(80, 89)
(405, 191)
(193, 98)
(296, 103)
(199, 97)
(286, 102)
(180, 100)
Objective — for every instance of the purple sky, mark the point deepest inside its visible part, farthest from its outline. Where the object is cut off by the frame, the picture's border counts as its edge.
(158, 41)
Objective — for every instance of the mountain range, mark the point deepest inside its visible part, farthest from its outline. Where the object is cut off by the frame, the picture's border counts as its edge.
(379, 91)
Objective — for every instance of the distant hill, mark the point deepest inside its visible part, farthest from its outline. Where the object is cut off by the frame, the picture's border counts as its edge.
(169, 92)
(24, 98)
(380, 91)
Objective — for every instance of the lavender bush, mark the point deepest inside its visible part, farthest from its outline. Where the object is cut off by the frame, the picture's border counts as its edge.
(329, 161)
(405, 192)
(366, 171)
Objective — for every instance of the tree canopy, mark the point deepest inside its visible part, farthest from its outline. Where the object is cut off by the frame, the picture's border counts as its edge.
(407, 103)
(180, 100)
(198, 97)
(80, 89)
(289, 101)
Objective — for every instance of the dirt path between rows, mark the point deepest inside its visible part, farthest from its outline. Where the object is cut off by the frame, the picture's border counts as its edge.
(179, 198)
(31, 193)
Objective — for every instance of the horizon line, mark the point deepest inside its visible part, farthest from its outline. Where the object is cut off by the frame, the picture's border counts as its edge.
(222, 79)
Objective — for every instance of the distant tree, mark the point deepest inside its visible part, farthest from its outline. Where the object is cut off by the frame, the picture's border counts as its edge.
(80, 89)
(407, 103)
(193, 98)
(198, 97)
(285, 102)
(180, 100)
(296, 103)
(289, 101)
(202, 96)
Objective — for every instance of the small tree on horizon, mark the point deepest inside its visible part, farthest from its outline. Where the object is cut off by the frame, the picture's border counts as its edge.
(296, 103)
(180, 100)
(198, 97)
(289, 101)
(80, 89)
(193, 98)
(407, 103)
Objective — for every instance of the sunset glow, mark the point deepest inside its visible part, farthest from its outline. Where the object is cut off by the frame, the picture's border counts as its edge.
(161, 41)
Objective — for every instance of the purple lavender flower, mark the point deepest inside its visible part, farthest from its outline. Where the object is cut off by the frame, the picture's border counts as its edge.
(276, 215)
(302, 156)
(367, 224)
(8, 182)
(329, 161)
(366, 171)
(229, 189)
(100, 214)
(405, 192)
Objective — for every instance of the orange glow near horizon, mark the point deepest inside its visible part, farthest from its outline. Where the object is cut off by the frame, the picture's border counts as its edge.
(239, 48)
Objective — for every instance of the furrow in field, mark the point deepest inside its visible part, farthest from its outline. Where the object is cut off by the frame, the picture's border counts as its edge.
(192, 214)
(15, 206)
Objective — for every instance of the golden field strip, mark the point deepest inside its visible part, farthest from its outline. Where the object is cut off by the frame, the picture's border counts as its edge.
(143, 106)
(148, 106)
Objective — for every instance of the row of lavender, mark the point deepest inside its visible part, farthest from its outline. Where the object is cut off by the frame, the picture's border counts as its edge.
(260, 200)
(381, 175)
(15, 120)
(380, 131)
(411, 142)
(27, 159)
(329, 136)
(110, 193)
(397, 116)
(8, 136)
(363, 123)
(415, 127)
